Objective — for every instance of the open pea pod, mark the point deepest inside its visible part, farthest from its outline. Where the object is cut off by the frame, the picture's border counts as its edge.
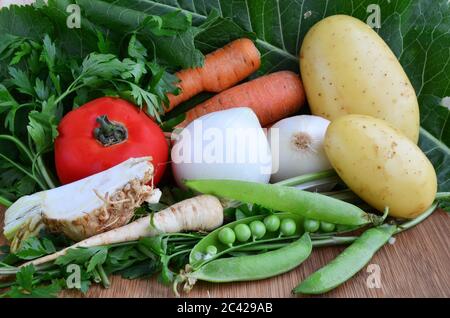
(199, 254)
(254, 267)
(286, 199)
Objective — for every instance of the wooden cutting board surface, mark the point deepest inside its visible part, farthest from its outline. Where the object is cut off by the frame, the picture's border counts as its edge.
(416, 265)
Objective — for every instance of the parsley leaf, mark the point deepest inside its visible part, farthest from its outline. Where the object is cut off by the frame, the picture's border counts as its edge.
(25, 277)
(33, 248)
(98, 258)
(42, 126)
(41, 89)
(21, 81)
(48, 54)
(134, 70)
(136, 49)
(78, 255)
(48, 291)
(141, 269)
(156, 244)
(25, 286)
(24, 50)
(9, 106)
(142, 97)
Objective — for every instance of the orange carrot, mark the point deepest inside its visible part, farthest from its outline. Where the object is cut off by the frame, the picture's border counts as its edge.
(223, 68)
(272, 97)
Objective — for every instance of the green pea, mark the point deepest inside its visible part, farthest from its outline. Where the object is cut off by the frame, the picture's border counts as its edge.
(288, 227)
(327, 227)
(272, 223)
(211, 250)
(311, 225)
(227, 236)
(198, 255)
(243, 232)
(258, 229)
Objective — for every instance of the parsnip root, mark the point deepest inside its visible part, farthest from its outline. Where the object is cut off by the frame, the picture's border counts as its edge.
(201, 213)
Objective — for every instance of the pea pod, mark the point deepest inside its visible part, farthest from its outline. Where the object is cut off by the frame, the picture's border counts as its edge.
(286, 199)
(199, 254)
(348, 263)
(254, 267)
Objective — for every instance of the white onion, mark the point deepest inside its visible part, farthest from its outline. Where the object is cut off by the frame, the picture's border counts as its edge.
(297, 146)
(228, 144)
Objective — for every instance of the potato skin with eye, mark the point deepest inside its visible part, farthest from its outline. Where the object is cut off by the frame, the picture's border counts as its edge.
(347, 68)
(381, 165)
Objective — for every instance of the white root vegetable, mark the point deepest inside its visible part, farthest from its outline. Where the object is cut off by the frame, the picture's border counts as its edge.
(297, 146)
(201, 213)
(228, 144)
(86, 207)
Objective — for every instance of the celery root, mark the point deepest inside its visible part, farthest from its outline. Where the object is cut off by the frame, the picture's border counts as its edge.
(201, 213)
(86, 207)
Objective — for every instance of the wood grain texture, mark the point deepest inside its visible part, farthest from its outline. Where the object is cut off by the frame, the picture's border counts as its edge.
(416, 265)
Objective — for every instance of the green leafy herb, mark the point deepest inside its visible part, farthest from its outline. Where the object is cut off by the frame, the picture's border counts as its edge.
(33, 248)
(25, 286)
(139, 270)
(165, 254)
(98, 259)
(81, 255)
(21, 81)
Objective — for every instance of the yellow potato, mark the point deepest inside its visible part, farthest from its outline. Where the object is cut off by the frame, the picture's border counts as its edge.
(348, 69)
(381, 165)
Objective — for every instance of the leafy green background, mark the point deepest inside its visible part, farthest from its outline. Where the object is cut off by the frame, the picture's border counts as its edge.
(418, 32)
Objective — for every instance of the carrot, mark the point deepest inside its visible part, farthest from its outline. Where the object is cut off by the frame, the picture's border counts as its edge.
(223, 68)
(201, 213)
(272, 97)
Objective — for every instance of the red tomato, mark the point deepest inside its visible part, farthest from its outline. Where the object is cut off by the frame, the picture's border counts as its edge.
(89, 142)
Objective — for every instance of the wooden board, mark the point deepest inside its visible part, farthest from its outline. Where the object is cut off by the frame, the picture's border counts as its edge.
(416, 265)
